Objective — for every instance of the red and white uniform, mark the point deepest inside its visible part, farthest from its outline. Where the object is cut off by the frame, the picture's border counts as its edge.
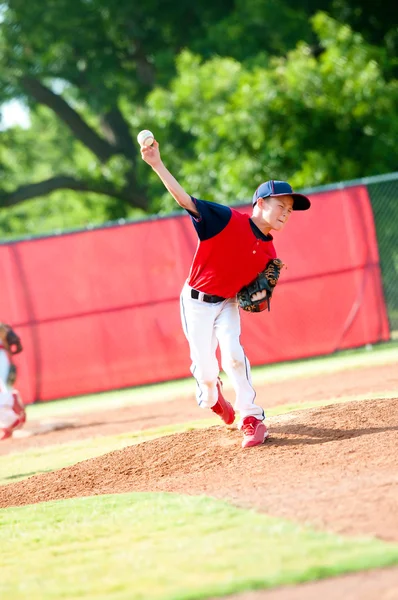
(230, 254)
(12, 411)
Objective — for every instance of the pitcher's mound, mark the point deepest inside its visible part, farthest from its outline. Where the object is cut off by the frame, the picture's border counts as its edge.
(332, 467)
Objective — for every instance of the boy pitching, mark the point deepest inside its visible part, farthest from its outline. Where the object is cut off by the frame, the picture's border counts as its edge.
(232, 250)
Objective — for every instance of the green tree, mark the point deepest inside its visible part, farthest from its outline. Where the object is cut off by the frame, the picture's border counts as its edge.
(310, 120)
(22, 156)
(91, 65)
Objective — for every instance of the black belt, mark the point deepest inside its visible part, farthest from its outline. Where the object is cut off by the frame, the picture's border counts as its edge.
(207, 297)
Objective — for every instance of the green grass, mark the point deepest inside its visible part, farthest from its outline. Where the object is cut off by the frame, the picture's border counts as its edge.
(165, 547)
(20, 465)
(386, 353)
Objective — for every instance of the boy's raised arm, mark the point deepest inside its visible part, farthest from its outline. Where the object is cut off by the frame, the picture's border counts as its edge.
(151, 155)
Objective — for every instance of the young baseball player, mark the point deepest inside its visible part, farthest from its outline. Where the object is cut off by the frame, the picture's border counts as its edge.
(233, 249)
(12, 410)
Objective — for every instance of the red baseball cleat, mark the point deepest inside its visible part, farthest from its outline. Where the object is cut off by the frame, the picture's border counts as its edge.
(5, 434)
(19, 409)
(223, 408)
(254, 432)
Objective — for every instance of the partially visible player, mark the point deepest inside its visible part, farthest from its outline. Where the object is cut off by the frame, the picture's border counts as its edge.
(12, 410)
(233, 250)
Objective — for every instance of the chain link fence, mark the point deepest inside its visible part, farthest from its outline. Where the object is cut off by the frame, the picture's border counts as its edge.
(383, 193)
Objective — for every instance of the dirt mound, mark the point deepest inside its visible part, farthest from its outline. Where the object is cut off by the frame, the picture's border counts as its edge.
(112, 421)
(333, 467)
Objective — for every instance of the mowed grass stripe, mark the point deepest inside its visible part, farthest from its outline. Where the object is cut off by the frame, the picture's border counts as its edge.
(20, 465)
(165, 547)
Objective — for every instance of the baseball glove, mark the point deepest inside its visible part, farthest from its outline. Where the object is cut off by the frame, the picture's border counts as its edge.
(265, 281)
(12, 375)
(10, 339)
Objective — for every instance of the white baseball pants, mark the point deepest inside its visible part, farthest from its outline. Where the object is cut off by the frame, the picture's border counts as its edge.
(206, 326)
(7, 415)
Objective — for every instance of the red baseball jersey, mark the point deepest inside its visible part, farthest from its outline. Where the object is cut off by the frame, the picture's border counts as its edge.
(231, 251)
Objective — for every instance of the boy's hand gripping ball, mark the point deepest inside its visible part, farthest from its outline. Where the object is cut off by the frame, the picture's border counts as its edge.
(145, 138)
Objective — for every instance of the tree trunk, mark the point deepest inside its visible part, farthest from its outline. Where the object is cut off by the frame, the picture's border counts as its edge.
(100, 147)
(43, 188)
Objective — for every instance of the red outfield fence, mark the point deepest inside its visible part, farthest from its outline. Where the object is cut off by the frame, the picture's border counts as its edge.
(99, 309)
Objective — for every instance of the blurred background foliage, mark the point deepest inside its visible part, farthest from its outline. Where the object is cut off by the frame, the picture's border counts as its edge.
(235, 92)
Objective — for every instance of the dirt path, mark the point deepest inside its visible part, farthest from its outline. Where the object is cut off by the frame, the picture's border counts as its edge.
(380, 584)
(181, 410)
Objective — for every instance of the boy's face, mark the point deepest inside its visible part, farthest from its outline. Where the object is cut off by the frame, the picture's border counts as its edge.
(276, 211)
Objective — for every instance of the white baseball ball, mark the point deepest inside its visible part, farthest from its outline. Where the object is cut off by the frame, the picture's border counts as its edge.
(145, 138)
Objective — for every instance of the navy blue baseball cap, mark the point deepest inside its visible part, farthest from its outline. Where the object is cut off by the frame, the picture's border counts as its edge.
(281, 188)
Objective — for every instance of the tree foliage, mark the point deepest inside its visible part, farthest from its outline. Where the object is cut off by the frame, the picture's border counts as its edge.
(227, 86)
(310, 120)
(83, 60)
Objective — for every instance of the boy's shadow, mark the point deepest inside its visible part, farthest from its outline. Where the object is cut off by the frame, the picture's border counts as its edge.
(317, 435)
